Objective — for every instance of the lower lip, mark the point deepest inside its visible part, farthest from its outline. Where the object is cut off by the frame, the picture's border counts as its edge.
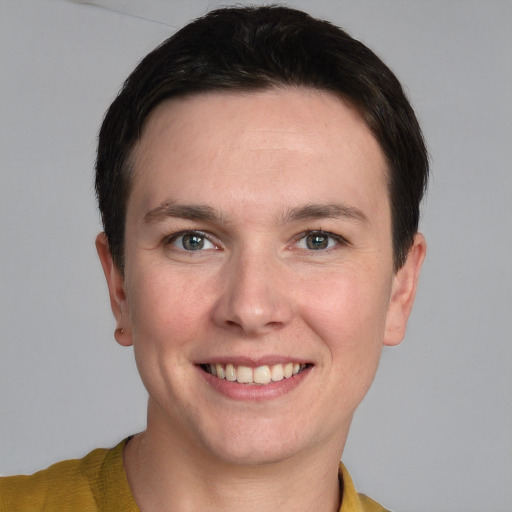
(254, 392)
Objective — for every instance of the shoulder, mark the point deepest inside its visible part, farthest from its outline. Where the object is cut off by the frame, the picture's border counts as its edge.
(370, 505)
(80, 484)
(352, 501)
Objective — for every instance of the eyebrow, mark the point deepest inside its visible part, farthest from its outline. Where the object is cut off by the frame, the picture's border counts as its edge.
(324, 211)
(203, 212)
(172, 209)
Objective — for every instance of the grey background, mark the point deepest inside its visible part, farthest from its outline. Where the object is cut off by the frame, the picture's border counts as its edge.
(434, 433)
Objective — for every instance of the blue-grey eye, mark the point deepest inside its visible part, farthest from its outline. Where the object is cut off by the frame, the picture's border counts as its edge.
(192, 241)
(317, 241)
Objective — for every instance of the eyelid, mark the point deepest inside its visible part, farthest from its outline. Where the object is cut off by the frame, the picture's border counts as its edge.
(339, 239)
(170, 239)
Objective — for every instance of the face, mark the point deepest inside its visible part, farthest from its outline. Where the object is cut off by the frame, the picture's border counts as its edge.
(258, 287)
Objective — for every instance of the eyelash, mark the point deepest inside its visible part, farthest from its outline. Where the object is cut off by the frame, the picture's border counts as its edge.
(319, 233)
(172, 239)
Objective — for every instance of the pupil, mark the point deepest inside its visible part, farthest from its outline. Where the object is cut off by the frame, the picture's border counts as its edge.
(317, 242)
(193, 242)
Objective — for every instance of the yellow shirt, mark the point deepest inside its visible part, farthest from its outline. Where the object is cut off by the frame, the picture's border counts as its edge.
(98, 483)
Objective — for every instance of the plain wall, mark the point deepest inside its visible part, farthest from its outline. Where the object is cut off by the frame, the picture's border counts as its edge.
(434, 433)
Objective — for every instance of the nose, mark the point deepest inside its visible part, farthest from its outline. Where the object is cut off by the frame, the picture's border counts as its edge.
(255, 297)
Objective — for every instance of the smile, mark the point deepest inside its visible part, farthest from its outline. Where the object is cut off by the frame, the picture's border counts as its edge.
(260, 375)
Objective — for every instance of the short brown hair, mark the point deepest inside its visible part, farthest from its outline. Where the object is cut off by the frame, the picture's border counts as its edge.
(254, 48)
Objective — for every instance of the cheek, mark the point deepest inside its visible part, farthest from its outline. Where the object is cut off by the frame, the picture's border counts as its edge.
(166, 317)
(348, 319)
(349, 314)
(166, 309)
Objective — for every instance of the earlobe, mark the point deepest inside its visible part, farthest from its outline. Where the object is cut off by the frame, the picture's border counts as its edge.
(403, 292)
(115, 283)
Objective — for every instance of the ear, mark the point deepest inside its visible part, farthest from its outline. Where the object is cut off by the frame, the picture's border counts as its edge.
(116, 289)
(403, 291)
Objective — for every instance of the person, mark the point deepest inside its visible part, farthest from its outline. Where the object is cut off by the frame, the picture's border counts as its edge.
(259, 178)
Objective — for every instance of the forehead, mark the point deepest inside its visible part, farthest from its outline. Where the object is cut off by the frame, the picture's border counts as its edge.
(274, 144)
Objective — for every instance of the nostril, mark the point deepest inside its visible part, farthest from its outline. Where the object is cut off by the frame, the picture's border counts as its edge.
(249, 327)
(275, 325)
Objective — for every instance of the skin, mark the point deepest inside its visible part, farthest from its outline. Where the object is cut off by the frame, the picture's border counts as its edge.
(258, 176)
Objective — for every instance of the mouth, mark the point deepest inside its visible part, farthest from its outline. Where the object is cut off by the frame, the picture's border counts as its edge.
(260, 375)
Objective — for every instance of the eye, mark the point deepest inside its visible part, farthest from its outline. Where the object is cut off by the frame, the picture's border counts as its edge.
(191, 241)
(319, 241)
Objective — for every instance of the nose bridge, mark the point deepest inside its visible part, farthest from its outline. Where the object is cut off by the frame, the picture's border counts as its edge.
(254, 296)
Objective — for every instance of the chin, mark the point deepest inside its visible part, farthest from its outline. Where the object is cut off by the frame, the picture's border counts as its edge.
(254, 454)
(258, 442)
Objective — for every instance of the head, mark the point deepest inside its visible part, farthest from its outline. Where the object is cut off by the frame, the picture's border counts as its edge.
(259, 178)
(252, 49)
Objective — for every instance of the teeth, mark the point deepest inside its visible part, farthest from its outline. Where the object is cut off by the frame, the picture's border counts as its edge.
(244, 374)
(219, 371)
(261, 375)
(277, 372)
(230, 373)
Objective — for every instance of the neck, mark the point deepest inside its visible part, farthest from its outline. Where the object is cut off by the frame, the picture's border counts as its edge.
(165, 474)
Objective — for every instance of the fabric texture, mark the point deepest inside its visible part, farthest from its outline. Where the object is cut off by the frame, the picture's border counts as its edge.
(98, 483)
